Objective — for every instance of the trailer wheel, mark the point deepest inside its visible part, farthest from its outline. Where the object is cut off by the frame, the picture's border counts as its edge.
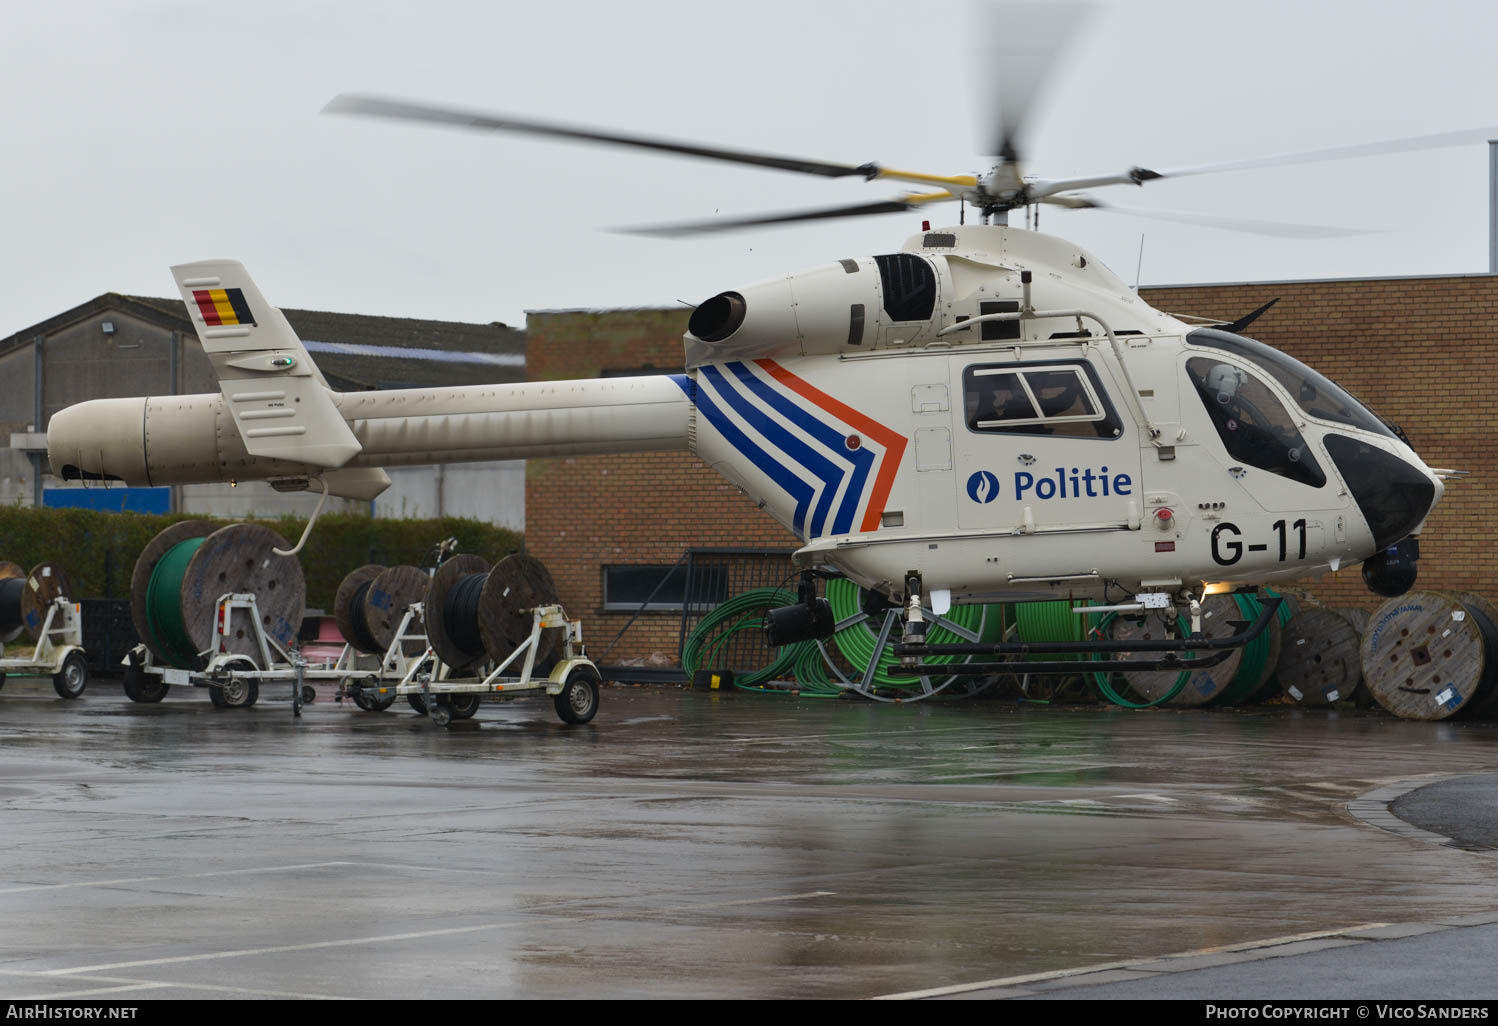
(440, 713)
(309, 694)
(370, 700)
(577, 702)
(236, 694)
(464, 706)
(140, 687)
(70, 681)
(418, 703)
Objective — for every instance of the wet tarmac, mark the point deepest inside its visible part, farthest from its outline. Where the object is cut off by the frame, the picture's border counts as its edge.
(694, 845)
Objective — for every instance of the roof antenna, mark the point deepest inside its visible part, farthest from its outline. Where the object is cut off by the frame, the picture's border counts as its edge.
(1140, 265)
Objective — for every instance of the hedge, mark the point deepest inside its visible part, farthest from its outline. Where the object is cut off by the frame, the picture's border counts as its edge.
(98, 550)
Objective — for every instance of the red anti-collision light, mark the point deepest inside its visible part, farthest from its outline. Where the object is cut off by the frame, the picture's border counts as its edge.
(1163, 516)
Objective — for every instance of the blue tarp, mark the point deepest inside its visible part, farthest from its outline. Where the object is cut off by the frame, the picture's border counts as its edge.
(111, 500)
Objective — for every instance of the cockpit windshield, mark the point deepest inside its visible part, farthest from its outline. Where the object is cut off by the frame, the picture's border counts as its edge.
(1314, 393)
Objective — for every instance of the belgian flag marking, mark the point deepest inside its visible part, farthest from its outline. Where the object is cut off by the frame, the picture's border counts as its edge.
(223, 306)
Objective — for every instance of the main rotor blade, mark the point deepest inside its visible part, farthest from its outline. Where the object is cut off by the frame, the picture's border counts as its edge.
(1281, 229)
(669, 231)
(1026, 40)
(1407, 145)
(350, 103)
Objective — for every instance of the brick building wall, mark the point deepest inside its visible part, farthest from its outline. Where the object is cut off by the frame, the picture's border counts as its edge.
(1420, 351)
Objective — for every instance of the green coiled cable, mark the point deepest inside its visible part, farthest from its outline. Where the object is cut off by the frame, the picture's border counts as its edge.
(164, 605)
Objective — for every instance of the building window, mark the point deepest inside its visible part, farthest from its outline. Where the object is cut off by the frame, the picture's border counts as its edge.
(631, 589)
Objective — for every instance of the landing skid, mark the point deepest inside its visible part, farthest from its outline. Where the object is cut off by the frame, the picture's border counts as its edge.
(1176, 652)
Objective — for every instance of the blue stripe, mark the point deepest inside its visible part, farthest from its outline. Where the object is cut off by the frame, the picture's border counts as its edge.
(686, 384)
(793, 447)
(862, 459)
(790, 483)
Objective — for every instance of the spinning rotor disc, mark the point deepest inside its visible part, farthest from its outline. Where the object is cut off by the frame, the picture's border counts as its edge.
(238, 560)
(45, 582)
(348, 608)
(145, 565)
(386, 601)
(442, 633)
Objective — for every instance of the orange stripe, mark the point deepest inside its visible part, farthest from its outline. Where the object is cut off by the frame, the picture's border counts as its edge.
(894, 444)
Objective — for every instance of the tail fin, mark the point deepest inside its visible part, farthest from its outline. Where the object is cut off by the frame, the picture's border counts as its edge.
(280, 401)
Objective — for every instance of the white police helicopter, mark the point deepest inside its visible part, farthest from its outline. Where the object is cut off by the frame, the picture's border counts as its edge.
(988, 414)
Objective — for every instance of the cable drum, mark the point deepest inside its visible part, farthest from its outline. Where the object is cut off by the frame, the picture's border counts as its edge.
(455, 644)
(1261, 655)
(1181, 687)
(1486, 614)
(1429, 656)
(475, 612)
(517, 584)
(145, 567)
(46, 582)
(386, 599)
(1320, 662)
(188, 578)
(11, 583)
(348, 608)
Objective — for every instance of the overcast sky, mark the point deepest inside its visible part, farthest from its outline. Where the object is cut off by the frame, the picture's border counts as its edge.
(141, 134)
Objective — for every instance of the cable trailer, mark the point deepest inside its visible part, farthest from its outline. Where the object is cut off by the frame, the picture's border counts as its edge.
(372, 682)
(431, 686)
(59, 651)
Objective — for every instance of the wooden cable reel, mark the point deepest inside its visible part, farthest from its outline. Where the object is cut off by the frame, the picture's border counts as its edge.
(1203, 684)
(386, 599)
(46, 582)
(1319, 661)
(475, 612)
(1430, 655)
(348, 608)
(190, 569)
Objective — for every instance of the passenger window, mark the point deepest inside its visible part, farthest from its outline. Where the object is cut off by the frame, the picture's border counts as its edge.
(1065, 400)
(1254, 426)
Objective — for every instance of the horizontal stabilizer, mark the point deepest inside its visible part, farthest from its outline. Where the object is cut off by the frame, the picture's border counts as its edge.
(281, 404)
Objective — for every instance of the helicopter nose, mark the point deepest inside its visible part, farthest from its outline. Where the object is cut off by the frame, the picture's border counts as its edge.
(1394, 494)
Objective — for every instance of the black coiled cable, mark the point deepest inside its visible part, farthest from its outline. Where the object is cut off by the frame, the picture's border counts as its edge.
(460, 612)
(10, 603)
(364, 640)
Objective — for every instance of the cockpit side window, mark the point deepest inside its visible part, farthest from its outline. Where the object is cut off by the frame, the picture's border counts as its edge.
(1315, 393)
(1064, 399)
(1255, 427)
(909, 286)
